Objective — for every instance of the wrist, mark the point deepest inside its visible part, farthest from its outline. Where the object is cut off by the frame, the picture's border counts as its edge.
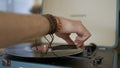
(59, 24)
(55, 23)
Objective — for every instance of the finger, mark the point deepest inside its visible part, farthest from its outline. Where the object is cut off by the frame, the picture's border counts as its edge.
(78, 40)
(69, 41)
(83, 37)
(78, 43)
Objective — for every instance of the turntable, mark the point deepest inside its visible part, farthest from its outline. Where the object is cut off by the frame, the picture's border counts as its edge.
(59, 56)
(101, 19)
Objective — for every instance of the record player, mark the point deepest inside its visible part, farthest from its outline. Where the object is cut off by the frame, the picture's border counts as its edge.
(101, 19)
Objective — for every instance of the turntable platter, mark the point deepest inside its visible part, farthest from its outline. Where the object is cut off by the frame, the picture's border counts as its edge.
(26, 50)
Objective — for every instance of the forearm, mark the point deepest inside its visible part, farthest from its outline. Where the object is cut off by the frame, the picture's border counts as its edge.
(15, 28)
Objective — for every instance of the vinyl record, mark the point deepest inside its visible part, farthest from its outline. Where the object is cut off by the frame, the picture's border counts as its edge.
(27, 50)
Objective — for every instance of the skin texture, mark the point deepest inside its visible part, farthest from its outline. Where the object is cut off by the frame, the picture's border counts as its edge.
(16, 28)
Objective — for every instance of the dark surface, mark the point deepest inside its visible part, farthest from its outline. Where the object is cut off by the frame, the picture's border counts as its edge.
(74, 61)
(119, 61)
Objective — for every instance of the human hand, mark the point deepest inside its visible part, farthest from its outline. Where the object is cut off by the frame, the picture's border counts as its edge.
(71, 26)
